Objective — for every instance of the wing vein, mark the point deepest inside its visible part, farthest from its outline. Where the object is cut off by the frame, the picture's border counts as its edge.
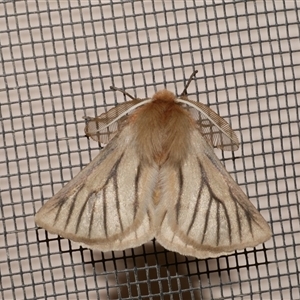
(81, 213)
(70, 210)
(136, 191)
(178, 203)
(218, 223)
(115, 183)
(206, 218)
(104, 206)
(237, 216)
(196, 209)
(214, 197)
(92, 219)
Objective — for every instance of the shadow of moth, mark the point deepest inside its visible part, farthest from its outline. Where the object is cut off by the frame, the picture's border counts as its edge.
(157, 177)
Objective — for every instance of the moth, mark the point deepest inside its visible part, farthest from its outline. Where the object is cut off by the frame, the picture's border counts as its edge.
(158, 177)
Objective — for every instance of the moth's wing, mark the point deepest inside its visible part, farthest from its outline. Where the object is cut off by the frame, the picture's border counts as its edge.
(204, 213)
(216, 131)
(106, 206)
(93, 128)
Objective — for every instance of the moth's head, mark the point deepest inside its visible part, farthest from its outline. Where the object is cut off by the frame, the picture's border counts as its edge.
(164, 95)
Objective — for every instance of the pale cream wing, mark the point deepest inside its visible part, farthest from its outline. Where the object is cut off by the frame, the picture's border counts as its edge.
(93, 128)
(216, 131)
(106, 206)
(204, 211)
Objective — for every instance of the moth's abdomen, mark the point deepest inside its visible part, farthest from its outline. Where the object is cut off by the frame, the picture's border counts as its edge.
(162, 130)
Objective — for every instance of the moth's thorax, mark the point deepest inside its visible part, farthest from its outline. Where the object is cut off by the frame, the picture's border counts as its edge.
(162, 129)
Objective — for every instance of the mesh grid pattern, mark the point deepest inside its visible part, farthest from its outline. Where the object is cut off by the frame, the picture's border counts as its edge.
(58, 60)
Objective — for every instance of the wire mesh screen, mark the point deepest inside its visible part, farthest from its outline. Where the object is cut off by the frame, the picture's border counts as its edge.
(58, 61)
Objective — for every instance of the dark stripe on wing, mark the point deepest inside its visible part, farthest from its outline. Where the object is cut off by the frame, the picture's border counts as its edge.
(113, 174)
(178, 203)
(197, 206)
(248, 214)
(81, 213)
(136, 191)
(102, 189)
(92, 219)
(70, 210)
(162, 219)
(104, 212)
(218, 223)
(59, 205)
(206, 219)
(219, 201)
(118, 201)
(238, 217)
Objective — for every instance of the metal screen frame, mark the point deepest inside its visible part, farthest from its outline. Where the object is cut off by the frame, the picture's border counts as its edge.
(57, 62)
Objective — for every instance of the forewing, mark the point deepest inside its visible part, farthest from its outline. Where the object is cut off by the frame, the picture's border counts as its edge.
(216, 131)
(105, 206)
(206, 214)
(93, 128)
